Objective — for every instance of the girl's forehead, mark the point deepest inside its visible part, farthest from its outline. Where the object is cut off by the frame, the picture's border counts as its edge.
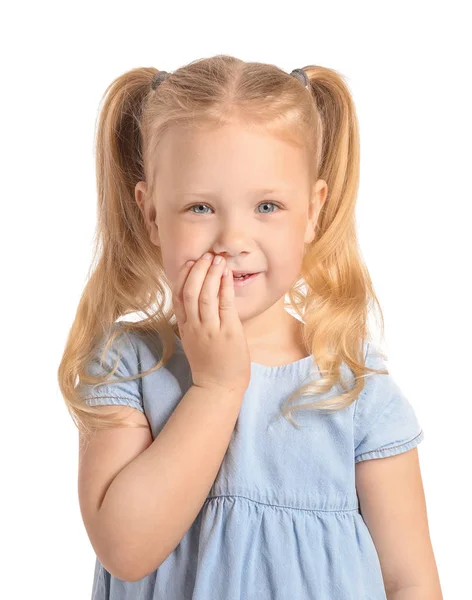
(229, 134)
(263, 161)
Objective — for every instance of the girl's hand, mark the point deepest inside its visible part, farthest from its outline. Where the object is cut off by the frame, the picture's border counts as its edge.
(211, 331)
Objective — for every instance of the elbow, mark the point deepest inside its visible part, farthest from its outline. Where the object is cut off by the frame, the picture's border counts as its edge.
(134, 566)
(127, 557)
(124, 571)
(117, 568)
(132, 569)
(126, 574)
(132, 576)
(121, 564)
(124, 557)
(128, 577)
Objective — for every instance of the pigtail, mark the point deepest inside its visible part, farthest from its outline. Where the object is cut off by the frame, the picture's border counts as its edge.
(340, 291)
(124, 261)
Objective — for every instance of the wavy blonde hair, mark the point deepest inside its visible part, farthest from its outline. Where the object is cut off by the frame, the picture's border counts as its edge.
(334, 292)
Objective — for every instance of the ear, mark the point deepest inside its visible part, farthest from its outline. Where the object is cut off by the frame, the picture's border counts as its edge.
(148, 211)
(318, 197)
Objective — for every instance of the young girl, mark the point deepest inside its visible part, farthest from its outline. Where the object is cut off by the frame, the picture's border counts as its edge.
(222, 187)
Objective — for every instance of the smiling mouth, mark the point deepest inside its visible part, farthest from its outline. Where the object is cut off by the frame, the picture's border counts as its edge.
(245, 280)
(240, 274)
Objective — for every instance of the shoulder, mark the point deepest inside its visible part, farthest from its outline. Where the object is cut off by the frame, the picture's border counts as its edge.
(385, 422)
(146, 344)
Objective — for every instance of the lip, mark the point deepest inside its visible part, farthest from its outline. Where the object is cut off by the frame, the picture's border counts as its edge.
(238, 272)
(247, 281)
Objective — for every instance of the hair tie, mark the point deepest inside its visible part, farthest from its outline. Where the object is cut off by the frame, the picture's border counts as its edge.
(158, 78)
(301, 75)
(161, 76)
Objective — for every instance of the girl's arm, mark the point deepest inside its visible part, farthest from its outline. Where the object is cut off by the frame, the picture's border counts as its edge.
(416, 593)
(393, 506)
(145, 511)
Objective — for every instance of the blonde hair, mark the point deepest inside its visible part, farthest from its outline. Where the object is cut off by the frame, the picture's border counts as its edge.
(334, 292)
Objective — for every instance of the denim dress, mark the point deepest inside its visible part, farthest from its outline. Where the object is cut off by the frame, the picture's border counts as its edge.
(282, 519)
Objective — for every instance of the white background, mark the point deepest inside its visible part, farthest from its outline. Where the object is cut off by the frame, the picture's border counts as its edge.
(406, 66)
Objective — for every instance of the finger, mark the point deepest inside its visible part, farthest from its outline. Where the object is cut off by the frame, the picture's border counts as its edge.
(192, 288)
(226, 300)
(209, 302)
(177, 297)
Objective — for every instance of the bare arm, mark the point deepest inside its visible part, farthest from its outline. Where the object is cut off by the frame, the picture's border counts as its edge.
(417, 593)
(153, 501)
(393, 505)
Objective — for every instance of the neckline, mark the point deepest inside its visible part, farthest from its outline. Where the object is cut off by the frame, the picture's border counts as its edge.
(296, 367)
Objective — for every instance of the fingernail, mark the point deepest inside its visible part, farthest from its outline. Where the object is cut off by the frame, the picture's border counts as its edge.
(189, 263)
(207, 255)
(217, 260)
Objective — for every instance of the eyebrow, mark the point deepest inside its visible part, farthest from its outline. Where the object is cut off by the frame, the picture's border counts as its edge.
(214, 195)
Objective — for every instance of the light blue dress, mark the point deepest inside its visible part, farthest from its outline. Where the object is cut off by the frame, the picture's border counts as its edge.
(282, 518)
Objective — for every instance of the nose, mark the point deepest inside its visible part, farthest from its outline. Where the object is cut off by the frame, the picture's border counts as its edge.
(232, 239)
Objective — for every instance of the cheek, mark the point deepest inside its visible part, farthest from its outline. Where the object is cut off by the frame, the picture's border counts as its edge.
(286, 249)
(287, 267)
(178, 248)
(171, 267)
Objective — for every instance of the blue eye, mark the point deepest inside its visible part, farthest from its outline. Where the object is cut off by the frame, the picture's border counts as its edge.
(195, 206)
(262, 204)
(268, 204)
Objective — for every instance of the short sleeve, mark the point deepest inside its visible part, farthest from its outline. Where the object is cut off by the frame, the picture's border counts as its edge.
(128, 393)
(385, 422)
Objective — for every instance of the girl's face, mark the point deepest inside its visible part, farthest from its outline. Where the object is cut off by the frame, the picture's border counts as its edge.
(236, 192)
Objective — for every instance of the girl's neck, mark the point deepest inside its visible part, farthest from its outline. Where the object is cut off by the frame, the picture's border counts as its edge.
(281, 346)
